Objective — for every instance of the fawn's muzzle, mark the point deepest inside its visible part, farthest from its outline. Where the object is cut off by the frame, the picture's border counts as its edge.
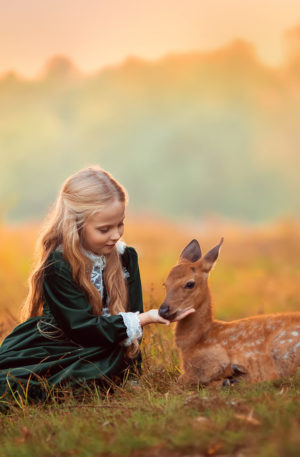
(164, 311)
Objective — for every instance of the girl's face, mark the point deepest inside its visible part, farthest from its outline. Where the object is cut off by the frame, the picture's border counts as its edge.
(102, 230)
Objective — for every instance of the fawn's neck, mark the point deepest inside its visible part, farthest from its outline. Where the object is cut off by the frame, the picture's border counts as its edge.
(196, 326)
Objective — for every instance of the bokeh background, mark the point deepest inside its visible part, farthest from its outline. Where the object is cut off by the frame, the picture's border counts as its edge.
(193, 105)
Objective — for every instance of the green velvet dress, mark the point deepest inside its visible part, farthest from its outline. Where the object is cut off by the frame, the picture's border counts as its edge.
(68, 343)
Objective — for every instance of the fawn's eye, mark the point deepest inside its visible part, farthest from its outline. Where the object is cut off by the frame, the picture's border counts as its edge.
(189, 285)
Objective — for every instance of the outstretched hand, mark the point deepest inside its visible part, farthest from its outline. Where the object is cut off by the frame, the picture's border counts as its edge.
(184, 314)
(155, 318)
(152, 317)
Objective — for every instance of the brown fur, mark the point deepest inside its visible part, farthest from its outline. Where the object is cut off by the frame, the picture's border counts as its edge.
(260, 347)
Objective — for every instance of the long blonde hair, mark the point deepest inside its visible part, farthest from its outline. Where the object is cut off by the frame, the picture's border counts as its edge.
(82, 195)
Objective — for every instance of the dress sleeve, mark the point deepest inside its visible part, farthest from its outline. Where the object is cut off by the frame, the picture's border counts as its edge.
(73, 312)
(133, 327)
(135, 298)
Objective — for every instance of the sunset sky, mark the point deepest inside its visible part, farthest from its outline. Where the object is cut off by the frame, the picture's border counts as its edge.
(95, 33)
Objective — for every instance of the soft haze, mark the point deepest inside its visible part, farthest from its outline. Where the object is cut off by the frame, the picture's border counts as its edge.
(198, 124)
(95, 33)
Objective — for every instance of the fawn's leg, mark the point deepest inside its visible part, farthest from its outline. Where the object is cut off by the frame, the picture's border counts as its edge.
(261, 367)
(205, 365)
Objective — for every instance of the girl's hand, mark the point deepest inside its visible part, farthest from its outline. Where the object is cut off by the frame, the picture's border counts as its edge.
(184, 314)
(152, 317)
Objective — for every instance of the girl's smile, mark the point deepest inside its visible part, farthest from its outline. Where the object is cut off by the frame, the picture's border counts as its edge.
(102, 230)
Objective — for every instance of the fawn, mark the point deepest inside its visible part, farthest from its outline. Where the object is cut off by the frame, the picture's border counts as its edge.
(259, 348)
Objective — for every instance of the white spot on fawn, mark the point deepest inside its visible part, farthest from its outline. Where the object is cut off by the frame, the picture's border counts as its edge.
(294, 333)
(212, 340)
(248, 354)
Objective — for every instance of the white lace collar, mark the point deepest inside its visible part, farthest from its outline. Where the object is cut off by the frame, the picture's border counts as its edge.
(98, 260)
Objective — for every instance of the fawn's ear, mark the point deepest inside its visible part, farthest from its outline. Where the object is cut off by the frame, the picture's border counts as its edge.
(191, 253)
(210, 258)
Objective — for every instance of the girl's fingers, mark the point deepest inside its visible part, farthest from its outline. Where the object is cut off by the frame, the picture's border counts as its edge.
(164, 321)
(185, 313)
(156, 318)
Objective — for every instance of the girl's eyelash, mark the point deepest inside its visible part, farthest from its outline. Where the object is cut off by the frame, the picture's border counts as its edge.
(106, 230)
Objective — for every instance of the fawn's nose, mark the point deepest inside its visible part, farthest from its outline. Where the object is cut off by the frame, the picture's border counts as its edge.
(164, 310)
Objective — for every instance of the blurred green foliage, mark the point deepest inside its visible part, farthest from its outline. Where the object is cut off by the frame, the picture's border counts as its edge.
(188, 135)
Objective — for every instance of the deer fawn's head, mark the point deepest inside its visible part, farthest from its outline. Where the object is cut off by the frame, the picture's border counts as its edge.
(186, 284)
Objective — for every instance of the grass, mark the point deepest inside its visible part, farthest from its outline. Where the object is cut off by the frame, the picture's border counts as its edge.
(156, 417)
(258, 271)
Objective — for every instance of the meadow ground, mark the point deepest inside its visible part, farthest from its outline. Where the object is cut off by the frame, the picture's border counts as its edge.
(258, 271)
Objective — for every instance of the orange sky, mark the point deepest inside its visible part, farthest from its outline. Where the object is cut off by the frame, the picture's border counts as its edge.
(95, 33)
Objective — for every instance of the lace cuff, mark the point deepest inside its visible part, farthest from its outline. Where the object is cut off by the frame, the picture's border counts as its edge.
(133, 327)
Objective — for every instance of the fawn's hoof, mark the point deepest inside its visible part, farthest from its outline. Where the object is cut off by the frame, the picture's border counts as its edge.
(238, 369)
(227, 382)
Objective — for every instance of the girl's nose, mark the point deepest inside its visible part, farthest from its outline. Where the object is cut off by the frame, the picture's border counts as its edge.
(115, 235)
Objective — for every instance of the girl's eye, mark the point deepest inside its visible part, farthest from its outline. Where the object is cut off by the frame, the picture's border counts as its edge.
(103, 230)
(121, 224)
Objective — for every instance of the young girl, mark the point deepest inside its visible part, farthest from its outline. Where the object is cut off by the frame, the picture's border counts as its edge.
(84, 308)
